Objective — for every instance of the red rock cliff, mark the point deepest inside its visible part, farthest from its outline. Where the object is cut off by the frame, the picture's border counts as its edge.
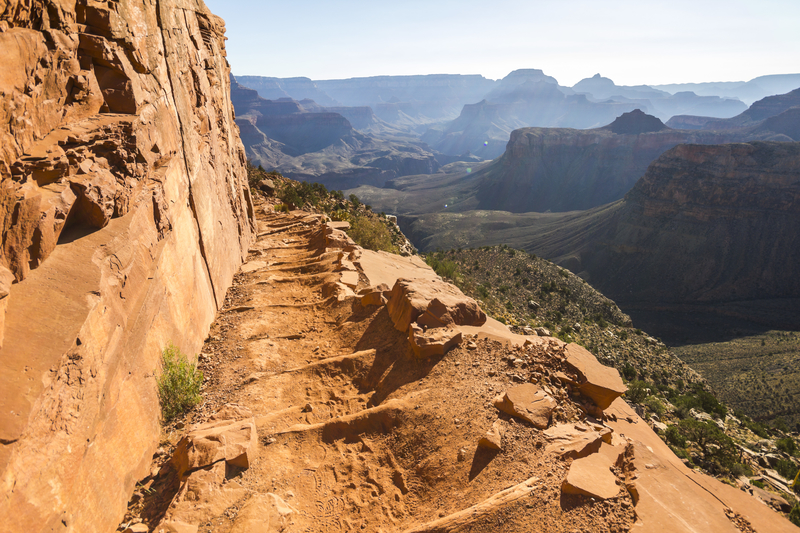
(125, 212)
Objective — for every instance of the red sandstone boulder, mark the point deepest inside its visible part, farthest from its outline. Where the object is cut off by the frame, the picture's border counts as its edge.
(433, 304)
(600, 383)
(527, 402)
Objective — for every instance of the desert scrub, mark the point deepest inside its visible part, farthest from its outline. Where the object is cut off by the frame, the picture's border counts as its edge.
(371, 234)
(445, 268)
(178, 384)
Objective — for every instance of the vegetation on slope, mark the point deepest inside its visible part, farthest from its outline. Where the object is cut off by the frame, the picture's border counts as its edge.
(527, 292)
(368, 229)
(758, 374)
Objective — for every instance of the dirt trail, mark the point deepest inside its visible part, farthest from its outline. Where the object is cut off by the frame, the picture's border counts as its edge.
(354, 433)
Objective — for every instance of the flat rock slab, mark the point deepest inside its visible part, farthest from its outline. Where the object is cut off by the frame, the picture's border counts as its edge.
(527, 402)
(576, 440)
(592, 476)
(341, 225)
(600, 383)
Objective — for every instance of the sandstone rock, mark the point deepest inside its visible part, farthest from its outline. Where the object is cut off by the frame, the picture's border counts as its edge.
(600, 383)
(263, 513)
(528, 402)
(543, 332)
(342, 225)
(576, 440)
(494, 437)
(6, 278)
(591, 476)
(175, 526)
(125, 214)
(375, 295)
(436, 341)
(137, 528)
(227, 440)
(431, 303)
(267, 186)
(773, 500)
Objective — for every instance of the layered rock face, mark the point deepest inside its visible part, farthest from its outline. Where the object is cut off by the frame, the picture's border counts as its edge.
(125, 213)
(552, 169)
(707, 223)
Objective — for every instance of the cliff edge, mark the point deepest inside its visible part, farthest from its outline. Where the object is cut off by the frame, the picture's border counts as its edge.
(125, 212)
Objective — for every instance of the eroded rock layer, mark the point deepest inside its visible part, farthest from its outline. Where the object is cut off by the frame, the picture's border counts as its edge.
(124, 212)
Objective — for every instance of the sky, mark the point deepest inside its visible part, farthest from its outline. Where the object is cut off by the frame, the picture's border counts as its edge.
(631, 42)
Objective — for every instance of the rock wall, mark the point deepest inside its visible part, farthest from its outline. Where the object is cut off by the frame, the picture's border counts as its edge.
(125, 212)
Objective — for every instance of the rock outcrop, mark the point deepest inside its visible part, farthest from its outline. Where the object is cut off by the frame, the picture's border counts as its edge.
(125, 213)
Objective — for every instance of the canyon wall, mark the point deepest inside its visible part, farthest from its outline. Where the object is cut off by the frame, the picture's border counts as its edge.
(125, 212)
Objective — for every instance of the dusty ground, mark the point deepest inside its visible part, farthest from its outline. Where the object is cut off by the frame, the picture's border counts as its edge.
(375, 441)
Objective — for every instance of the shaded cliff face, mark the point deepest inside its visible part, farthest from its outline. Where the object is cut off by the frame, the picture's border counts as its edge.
(706, 224)
(125, 212)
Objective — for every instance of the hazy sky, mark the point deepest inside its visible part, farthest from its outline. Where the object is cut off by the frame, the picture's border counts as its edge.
(631, 42)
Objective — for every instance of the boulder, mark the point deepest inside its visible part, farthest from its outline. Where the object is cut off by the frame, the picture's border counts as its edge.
(224, 440)
(375, 295)
(600, 383)
(267, 186)
(773, 500)
(591, 476)
(431, 303)
(528, 402)
(494, 437)
(543, 332)
(432, 342)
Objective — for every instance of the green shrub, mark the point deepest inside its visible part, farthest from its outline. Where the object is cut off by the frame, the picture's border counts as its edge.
(719, 451)
(179, 383)
(445, 268)
(282, 208)
(674, 437)
(758, 483)
(738, 470)
(787, 445)
(794, 515)
(637, 392)
(786, 468)
(371, 234)
(655, 405)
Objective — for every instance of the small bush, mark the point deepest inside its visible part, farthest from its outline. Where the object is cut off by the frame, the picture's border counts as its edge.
(281, 208)
(674, 437)
(371, 234)
(655, 405)
(445, 268)
(787, 445)
(786, 468)
(637, 392)
(738, 470)
(758, 483)
(794, 515)
(179, 383)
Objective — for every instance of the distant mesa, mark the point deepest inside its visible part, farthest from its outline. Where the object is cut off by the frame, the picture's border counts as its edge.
(636, 122)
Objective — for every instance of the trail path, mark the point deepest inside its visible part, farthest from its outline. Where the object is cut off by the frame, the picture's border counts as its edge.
(331, 423)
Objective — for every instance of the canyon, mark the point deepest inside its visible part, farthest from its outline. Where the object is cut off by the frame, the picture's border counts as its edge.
(344, 389)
